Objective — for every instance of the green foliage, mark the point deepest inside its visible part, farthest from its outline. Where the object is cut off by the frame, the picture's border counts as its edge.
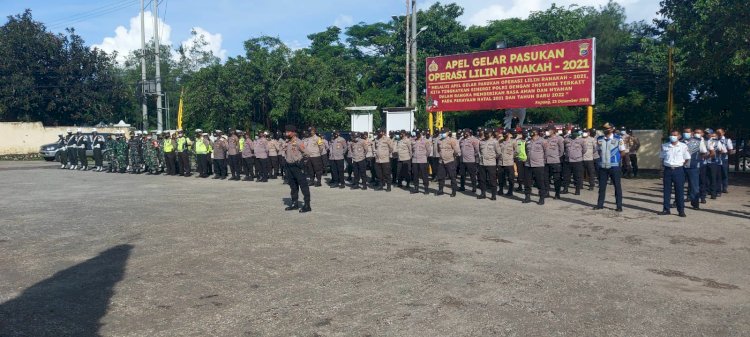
(271, 84)
(55, 79)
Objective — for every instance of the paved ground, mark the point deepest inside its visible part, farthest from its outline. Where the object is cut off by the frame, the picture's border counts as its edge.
(86, 254)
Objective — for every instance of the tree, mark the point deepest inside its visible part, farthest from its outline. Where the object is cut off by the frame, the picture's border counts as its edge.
(55, 79)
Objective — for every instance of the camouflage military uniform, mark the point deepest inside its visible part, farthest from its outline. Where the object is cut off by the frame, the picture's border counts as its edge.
(148, 155)
(110, 148)
(134, 157)
(121, 155)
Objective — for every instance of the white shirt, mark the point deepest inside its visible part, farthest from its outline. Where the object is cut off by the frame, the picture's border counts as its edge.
(674, 155)
(727, 143)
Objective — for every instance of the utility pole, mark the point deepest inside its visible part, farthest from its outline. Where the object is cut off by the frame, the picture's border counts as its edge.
(407, 82)
(670, 94)
(144, 106)
(159, 125)
(413, 76)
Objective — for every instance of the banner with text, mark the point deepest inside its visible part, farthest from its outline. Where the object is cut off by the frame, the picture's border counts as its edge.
(555, 74)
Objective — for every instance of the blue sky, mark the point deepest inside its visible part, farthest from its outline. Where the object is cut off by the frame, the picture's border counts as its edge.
(227, 23)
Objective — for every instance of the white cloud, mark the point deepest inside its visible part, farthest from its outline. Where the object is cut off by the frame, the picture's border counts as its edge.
(479, 12)
(297, 45)
(128, 39)
(343, 21)
(213, 42)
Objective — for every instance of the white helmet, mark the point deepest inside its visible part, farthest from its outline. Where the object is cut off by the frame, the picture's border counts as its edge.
(93, 129)
(78, 130)
(70, 131)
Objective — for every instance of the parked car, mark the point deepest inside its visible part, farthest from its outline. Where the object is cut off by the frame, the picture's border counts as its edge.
(50, 151)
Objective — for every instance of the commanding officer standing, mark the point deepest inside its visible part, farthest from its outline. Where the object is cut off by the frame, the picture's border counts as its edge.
(675, 157)
(183, 148)
(555, 147)
(359, 146)
(404, 149)
(337, 154)
(293, 150)
(489, 150)
(535, 166)
(469, 152)
(383, 149)
(610, 148)
(449, 150)
(505, 162)
(421, 148)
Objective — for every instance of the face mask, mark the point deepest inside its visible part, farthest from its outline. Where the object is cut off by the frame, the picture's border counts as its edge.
(686, 135)
(673, 139)
(442, 136)
(713, 138)
(698, 136)
(397, 137)
(623, 133)
(546, 133)
(559, 132)
(585, 134)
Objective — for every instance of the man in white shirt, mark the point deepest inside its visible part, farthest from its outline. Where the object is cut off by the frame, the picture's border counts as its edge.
(727, 143)
(674, 156)
(697, 150)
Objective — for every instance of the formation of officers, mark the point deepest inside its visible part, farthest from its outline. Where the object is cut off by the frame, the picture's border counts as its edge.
(486, 161)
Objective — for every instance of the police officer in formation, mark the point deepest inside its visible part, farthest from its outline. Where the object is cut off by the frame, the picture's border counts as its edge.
(495, 162)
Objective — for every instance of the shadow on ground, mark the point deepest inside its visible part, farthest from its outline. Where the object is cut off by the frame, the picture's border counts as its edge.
(70, 303)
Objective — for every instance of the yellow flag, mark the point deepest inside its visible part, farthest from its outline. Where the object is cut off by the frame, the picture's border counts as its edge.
(179, 111)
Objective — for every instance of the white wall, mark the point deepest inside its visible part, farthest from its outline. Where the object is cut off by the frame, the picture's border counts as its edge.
(402, 120)
(26, 138)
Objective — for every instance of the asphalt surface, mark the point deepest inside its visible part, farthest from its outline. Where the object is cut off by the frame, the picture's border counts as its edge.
(96, 254)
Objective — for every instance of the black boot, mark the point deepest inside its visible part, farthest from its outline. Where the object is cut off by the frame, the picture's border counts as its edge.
(293, 206)
(453, 193)
(564, 191)
(388, 188)
(527, 199)
(541, 200)
(482, 194)
(578, 191)
(305, 208)
(494, 195)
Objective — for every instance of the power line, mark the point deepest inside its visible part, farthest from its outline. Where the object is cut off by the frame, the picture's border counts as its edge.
(110, 5)
(94, 14)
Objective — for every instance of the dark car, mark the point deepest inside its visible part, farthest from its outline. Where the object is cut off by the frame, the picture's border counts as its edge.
(50, 151)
